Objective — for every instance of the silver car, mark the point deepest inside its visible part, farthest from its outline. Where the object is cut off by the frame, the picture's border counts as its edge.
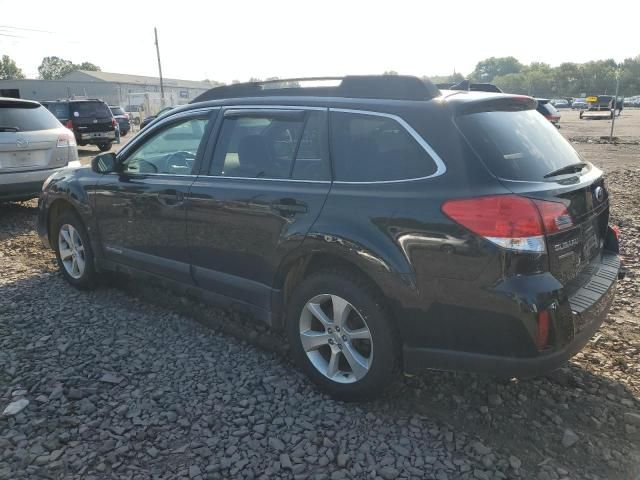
(33, 145)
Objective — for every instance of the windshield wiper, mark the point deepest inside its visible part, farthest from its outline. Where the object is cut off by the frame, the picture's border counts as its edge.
(572, 168)
(9, 129)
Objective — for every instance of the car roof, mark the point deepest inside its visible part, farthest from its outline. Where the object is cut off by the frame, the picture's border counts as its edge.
(18, 102)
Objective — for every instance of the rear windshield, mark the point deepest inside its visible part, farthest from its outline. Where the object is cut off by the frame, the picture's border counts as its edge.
(27, 119)
(90, 109)
(517, 145)
(117, 110)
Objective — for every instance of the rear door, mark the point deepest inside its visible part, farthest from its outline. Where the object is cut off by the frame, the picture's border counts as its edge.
(30, 138)
(267, 183)
(532, 159)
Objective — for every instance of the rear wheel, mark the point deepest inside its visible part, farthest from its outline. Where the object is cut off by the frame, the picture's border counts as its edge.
(341, 336)
(104, 147)
(73, 251)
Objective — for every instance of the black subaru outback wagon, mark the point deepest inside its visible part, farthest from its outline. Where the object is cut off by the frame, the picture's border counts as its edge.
(384, 224)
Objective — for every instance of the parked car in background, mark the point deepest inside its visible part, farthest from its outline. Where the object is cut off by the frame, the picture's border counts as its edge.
(122, 118)
(90, 120)
(33, 145)
(548, 111)
(381, 223)
(151, 118)
(579, 104)
(560, 103)
(134, 114)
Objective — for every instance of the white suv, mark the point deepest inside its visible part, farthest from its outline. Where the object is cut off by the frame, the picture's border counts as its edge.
(33, 145)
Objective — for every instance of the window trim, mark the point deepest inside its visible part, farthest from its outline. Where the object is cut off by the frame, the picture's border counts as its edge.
(441, 168)
(280, 108)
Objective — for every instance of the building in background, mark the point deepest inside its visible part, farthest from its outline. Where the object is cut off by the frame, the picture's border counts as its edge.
(129, 91)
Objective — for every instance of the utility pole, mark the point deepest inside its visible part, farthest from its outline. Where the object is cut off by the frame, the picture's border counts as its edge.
(155, 31)
(615, 104)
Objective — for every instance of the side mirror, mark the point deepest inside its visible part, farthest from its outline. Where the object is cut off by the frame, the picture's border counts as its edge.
(105, 163)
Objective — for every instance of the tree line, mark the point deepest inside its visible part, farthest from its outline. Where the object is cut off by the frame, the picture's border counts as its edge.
(537, 79)
(568, 79)
(51, 68)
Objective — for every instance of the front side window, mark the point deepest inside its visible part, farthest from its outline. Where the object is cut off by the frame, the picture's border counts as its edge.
(367, 148)
(272, 144)
(173, 150)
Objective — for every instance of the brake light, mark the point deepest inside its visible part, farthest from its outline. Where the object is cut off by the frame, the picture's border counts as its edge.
(542, 334)
(69, 124)
(113, 122)
(616, 231)
(66, 140)
(510, 221)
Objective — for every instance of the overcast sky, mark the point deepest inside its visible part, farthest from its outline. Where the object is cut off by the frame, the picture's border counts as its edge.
(238, 39)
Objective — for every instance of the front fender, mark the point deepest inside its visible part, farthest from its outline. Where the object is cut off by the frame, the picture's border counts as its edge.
(71, 188)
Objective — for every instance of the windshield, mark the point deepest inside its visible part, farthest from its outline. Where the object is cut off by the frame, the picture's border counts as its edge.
(27, 119)
(517, 145)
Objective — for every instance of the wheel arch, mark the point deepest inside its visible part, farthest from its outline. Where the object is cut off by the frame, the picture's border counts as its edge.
(388, 285)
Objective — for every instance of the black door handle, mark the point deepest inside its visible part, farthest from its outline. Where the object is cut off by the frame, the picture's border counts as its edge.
(289, 206)
(171, 198)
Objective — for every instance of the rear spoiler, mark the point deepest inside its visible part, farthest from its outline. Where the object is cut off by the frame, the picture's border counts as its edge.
(502, 103)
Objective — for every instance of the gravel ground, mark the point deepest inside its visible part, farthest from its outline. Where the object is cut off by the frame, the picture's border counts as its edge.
(129, 382)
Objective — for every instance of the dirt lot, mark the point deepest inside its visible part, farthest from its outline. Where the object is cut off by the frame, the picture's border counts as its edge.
(130, 382)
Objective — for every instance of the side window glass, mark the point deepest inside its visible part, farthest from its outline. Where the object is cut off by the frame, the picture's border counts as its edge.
(312, 160)
(172, 150)
(368, 148)
(255, 146)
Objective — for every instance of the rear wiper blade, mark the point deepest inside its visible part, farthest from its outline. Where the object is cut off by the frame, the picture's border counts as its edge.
(9, 129)
(572, 168)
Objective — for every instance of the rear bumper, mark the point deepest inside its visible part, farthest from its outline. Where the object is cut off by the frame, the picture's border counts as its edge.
(587, 308)
(95, 137)
(23, 185)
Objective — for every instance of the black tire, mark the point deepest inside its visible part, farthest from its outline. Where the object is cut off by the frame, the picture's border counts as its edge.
(88, 279)
(385, 363)
(104, 147)
(124, 133)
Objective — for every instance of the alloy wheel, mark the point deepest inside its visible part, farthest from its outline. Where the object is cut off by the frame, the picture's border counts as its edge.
(336, 338)
(71, 251)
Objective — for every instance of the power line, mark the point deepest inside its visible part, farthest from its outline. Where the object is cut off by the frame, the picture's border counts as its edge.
(26, 29)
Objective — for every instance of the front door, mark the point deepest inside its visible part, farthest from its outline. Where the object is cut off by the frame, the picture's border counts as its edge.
(266, 186)
(141, 210)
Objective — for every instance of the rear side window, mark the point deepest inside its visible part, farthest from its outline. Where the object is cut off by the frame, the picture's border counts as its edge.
(59, 109)
(278, 145)
(367, 148)
(27, 119)
(90, 109)
(517, 145)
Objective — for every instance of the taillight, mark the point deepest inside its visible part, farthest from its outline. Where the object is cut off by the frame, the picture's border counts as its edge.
(616, 231)
(69, 124)
(113, 122)
(542, 333)
(510, 221)
(66, 140)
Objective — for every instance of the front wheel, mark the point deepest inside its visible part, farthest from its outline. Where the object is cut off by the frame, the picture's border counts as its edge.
(104, 147)
(73, 251)
(342, 337)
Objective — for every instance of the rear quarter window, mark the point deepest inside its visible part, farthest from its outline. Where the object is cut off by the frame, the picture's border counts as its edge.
(28, 119)
(517, 145)
(368, 148)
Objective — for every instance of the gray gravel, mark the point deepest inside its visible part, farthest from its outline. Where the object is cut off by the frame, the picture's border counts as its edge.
(130, 383)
